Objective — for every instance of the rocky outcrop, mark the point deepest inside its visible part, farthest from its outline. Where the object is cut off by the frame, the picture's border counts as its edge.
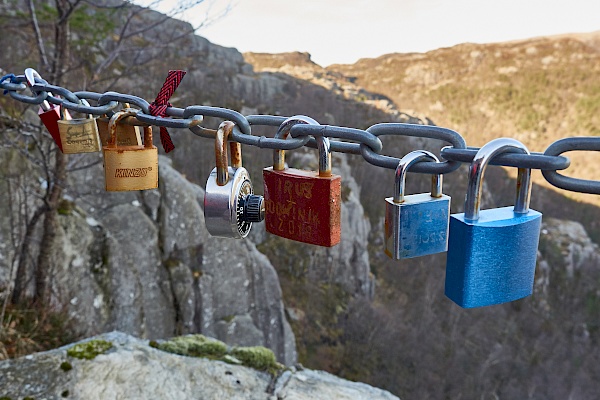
(116, 365)
(143, 263)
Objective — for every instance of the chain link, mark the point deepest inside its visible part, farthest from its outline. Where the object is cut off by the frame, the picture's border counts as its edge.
(565, 182)
(519, 160)
(346, 140)
(414, 130)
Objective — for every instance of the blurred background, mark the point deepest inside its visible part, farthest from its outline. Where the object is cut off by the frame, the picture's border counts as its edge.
(76, 261)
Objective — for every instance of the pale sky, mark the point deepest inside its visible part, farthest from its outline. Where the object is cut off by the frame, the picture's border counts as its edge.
(342, 31)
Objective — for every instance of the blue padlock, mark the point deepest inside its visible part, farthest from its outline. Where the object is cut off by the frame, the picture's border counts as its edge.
(492, 253)
(416, 225)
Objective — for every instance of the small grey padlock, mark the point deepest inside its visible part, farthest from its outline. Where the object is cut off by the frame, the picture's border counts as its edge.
(416, 225)
(492, 253)
(230, 205)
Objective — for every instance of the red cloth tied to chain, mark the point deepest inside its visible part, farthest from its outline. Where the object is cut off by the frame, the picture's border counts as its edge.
(159, 106)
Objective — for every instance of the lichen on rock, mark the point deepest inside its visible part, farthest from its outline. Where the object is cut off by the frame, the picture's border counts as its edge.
(89, 350)
(66, 366)
(257, 357)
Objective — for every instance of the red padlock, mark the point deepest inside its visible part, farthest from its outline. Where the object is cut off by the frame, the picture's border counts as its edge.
(48, 113)
(303, 205)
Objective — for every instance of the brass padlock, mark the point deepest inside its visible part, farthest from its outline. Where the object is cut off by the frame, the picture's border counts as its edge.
(129, 167)
(127, 135)
(78, 135)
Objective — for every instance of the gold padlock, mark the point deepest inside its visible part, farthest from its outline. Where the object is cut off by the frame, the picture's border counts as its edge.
(127, 135)
(129, 167)
(78, 135)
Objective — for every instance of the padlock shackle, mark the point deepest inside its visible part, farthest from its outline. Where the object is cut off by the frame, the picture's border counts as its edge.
(235, 150)
(324, 147)
(282, 133)
(405, 163)
(477, 171)
(112, 128)
(30, 75)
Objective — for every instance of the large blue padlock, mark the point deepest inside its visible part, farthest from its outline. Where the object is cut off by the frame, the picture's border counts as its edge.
(416, 225)
(492, 253)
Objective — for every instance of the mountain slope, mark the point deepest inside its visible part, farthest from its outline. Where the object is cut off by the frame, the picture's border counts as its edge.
(536, 90)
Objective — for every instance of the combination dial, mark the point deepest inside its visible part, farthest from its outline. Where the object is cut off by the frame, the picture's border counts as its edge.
(249, 208)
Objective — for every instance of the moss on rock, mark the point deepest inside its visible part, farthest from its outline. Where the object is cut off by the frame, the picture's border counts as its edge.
(257, 357)
(211, 348)
(89, 350)
(194, 346)
(66, 366)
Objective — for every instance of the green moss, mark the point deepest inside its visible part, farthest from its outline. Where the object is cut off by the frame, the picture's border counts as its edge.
(194, 346)
(174, 347)
(212, 348)
(66, 366)
(89, 350)
(257, 357)
(5, 398)
(28, 398)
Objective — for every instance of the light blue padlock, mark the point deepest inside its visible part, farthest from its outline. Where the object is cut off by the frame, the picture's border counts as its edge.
(416, 225)
(492, 253)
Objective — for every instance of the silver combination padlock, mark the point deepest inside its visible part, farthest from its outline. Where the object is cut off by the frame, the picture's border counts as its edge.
(230, 205)
(416, 225)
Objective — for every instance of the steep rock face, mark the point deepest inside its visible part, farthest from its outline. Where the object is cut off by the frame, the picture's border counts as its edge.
(567, 258)
(143, 263)
(132, 369)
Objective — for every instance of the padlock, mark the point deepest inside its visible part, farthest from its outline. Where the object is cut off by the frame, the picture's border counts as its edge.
(492, 253)
(48, 113)
(230, 205)
(78, 135)
(129, 167)
(416, 225)
(127, 135)
(303, 205)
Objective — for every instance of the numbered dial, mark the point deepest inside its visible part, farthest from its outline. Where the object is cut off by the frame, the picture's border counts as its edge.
(243, 224)
(249, 208)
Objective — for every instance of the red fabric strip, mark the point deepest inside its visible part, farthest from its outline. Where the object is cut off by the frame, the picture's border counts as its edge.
(159, 106)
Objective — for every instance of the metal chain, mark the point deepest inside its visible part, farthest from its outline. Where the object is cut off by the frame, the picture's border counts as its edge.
(346, 140)
(565, 182)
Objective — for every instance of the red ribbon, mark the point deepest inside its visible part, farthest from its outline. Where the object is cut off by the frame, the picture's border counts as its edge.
(159, 106)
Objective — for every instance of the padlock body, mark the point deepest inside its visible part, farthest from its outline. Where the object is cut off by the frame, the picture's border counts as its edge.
(127, 135)
(416, 227)
(492, 260)
(221, 204)
(79, 136)
(130, 168)
(300, 205)
(50, 120)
